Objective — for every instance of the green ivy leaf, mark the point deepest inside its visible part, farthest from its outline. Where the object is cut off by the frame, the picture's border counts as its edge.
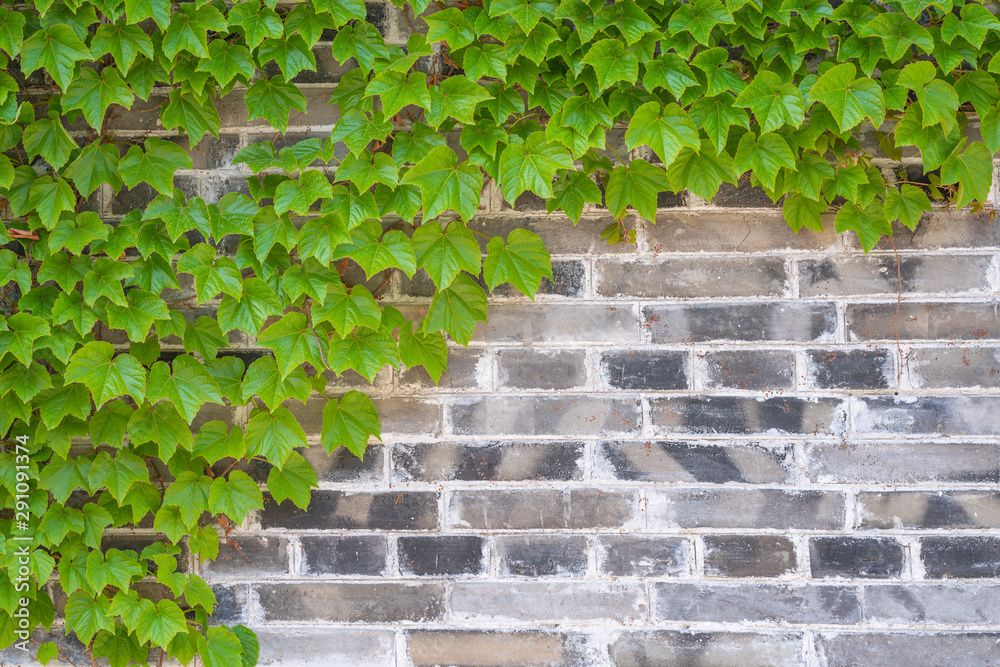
(292, 481)
(106, 375)
(272, 99)
(48, 138)
(398, 89)
(571, 194)
(765, 155)
(264, 380)
(163, 425)
(445, 249)
(75, 233)
(87, 614)
(124, 42)
(93, 93)
(445, 184)
(292, 342)
(212, 274)
(971, 168)
(349, 422)
(346, 310)
(120, 647)
(235, 497)
(522, 262)
(96, 164)
(19, 336)
(189, 28)
(613, 61)
(118, 475)
(219, 647)
(906, 205)
(699, 18)
(868, 223)
(194, 116)
(137, 316)
(802, 212)
(665, 129)
(154, 165)
(638, 185)
(365, 351)
(273, 434)
(850, 99)
(57, 49)
(188, 387)
(456, 309)
(160, 623)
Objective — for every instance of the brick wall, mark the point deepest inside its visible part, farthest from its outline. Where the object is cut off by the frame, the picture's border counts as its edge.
(707, 448)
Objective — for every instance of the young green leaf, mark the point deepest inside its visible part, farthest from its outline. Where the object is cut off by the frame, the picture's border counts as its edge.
(106, 375)
(292, 481)
(445, 184)
(273, 434)
(522, 262)
(349, 422)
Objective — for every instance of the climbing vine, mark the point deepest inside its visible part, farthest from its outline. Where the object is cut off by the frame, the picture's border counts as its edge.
(583, 103)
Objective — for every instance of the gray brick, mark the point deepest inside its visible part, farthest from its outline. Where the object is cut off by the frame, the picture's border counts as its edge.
(691, 277)
(963, 367)
(945, 229)
(645, 370)
(742, 415)
(929, 509)
(641, 555)
(339, 510)
(347, 555)
(468, 368)
(923, 321)
(496, 648)
(343, 466)
(569, 279)
(877, 274)
(547, 323)
(856, 557)
(351, 602)
(441, 555)
(408, 416)
(743, 195)
(537, 510)
(957, 557)
(231, 603)
(749, 556)
(249, 556)
(538, 601)
(541, 555)
(746, 508)
(211, 152)
(712, 231)
(902, 463)
(561, 236)
(770, 603)
(670, 648)
(913, 603)
(565, 414)
(698, 323)
(906, 648)
(758, 370)
(869, 368)
(488, 462)
(320, 647)
(947, 415)
(541, 369)
(655, 461)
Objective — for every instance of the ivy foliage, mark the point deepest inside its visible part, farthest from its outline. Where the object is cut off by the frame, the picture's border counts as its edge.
(583, 103)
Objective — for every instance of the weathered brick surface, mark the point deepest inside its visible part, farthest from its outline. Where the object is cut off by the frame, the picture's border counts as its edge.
(726, 444)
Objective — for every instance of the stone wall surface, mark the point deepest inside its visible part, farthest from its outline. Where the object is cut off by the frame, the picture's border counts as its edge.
(726, 444)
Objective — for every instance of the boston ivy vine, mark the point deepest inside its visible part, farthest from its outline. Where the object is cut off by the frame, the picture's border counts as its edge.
(537, 94)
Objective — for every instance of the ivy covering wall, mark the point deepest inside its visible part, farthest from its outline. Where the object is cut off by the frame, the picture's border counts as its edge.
(705, 91)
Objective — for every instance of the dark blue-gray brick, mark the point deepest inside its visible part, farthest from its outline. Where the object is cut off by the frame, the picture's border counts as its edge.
(657, 461)
(691, 277)
(565, 414)
(770, 603)
(441, 555)
(488, 462)
(231, 603)
(872, 368)
(756, 370)
(877, 274)
(947, 415)
(746, 508)
(856, 557)
(350, 555)
(748, 556)
(541, 555)
(338, 510)
(947, 604)
(645, 370)
(907, 648)
(960, 557)
(463, 372)
(641, 555)
(351, 602)
(541, 369)
(923, 321)
(741, 415)
(569, 278)
(538, 510)
(697, 323)
(672, 648)
(944, 229)
(929, 509)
